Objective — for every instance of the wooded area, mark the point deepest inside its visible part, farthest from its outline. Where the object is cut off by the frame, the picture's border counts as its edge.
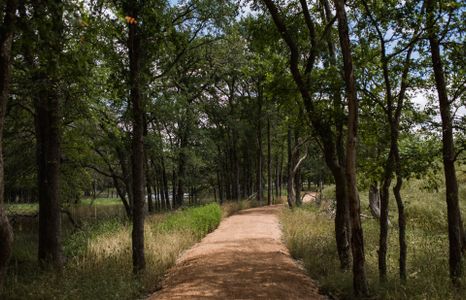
(169, 104)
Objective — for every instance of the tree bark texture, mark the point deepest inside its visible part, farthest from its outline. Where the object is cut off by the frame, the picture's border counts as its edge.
(269, 165)
(137, 145)
(48, 125)
(448, 149)
(260, 188)
(360, 287)
(6, 40)
(322, 128)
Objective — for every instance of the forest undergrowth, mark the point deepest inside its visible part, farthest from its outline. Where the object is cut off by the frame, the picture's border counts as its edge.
(309, 235)
(99, 256)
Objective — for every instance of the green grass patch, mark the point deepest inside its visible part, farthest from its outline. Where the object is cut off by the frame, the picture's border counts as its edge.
(101, 201)
(197, 220)
(33, 208)
(22, 208)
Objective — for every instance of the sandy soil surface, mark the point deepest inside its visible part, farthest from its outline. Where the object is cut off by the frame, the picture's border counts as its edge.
(243, 259)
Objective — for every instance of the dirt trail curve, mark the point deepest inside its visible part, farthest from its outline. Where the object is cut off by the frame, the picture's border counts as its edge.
(243, 259)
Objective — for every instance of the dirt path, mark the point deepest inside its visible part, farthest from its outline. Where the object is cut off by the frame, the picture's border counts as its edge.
(243, 259)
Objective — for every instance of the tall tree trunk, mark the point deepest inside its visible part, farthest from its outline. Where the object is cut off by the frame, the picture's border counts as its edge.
(6, 39)
(298, 186)
(269, 165)
(220, 188)
(357, 240)
(150, 203)
(448, 149)
(173, 204)
(280, 173)
(297, 173)
(322, 128)
(165, 182)
(277, 175)
(290, 190)
(259, 150)
(237, 168)
(48, 123)
(401, 217)
(137, 110)
(183, 157)
(335, 160)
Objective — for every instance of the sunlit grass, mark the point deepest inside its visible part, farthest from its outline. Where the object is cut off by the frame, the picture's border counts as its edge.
(99, 262)
(33, 208)
(309, 234)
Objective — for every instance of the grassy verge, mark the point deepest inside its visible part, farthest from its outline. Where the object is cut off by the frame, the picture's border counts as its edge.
(309, 234)
(99, 257)
(33, 208)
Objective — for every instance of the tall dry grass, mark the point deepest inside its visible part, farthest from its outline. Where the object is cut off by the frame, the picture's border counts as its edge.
(99, 258)
(309, 235)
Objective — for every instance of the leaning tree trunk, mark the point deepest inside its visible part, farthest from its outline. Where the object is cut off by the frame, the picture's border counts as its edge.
(357, 240)
(134, 47)
(322, 128)
(6, 40)
(448, 150)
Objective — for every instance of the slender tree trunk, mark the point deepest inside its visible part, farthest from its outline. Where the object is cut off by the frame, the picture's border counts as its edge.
(280, 173)
(121, 193)
(357, 241)
(173, 204)
(342, 222)
(237, 169)
(323, 130)
(259, 150)
(6, 39)
(290, 191)
(220, 188)
(448, 149)
(165, 182)
(137, 110)
(150, 203)
(269, 165)
(298, 186)
(383, 220)
(401, 217)
(277, 175)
